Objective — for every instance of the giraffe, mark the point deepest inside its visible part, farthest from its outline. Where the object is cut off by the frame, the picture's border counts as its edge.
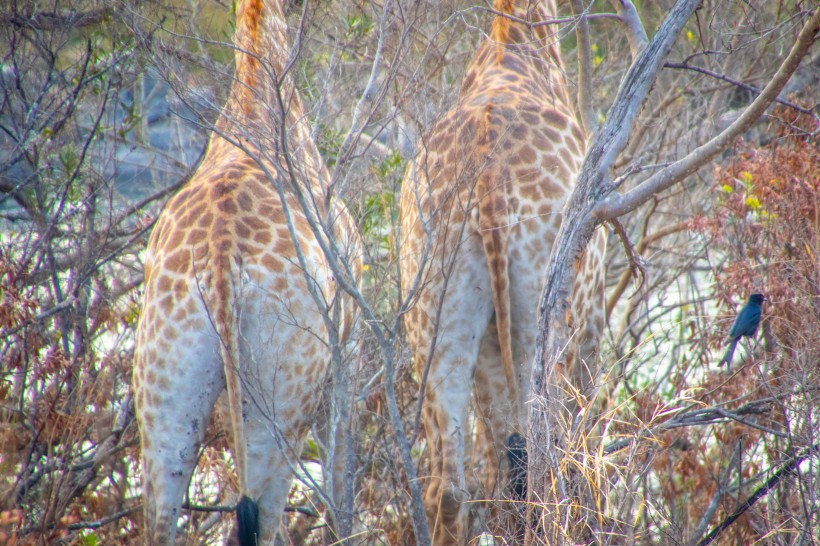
(237, 292)
(480, 209)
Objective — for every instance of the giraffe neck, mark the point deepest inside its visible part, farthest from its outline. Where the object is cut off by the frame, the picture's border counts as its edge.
(530, 43)
(539, 39)
(263, 98)
(260, 58)
(259, 92)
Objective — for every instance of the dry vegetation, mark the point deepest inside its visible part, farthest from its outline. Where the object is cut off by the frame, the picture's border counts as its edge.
(103, 113)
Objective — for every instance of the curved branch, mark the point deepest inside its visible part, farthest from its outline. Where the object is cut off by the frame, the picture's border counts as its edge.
(619, 204)
(640, 248)
(546, 475)
(635, 33)
(578, 224)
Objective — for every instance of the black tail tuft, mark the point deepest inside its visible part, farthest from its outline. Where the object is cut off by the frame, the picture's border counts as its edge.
(247, 518)
(516, 447)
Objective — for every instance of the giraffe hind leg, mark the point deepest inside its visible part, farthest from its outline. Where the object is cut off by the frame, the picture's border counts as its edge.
(504, 474)
(172, 426)
(281, 388)
(445, 413)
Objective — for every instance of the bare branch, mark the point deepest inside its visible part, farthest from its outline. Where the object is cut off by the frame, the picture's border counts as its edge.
(547, 440)
(53, 20)
(637, 265)
(747, 87)
(698, 417)
(58, 308)
(635, 33)
(111, 518)
(616, 293)
(789, 467)
(548, 22)
(578, 225)
(230, 508)
(618, 204)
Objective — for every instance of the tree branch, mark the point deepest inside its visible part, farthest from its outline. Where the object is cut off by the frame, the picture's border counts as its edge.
(635, 33)
(96, 524)
(747, 87)
(548, 484)
(616, 293)
(578, 224)
(54, 20)
(618, 204)
(230, 508)
(788, 468)
(697, 417)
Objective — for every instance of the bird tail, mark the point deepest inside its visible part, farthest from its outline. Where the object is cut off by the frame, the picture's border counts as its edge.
(225, 308)
(730, 352)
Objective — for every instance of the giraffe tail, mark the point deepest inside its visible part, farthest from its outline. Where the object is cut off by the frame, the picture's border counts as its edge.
(516, 448)
(495, 247)
(247, 519)
(225, 315)
(493, 226)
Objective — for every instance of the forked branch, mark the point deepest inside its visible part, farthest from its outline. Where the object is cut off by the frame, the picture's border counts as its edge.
(596, 199)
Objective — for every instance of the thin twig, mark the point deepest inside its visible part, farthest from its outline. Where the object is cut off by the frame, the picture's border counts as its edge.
(584, 55)
(61, 306)
(727, 79)
(53, 20)
(700, 416)
(643, 244)
(103, 521)
(637, 265)
(230, 508)
(788, 468)
(554, 21)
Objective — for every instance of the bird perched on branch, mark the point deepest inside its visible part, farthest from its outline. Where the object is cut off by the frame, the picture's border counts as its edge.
(745, 325)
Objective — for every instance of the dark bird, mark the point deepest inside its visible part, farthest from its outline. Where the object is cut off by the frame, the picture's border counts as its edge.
(745, 325)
